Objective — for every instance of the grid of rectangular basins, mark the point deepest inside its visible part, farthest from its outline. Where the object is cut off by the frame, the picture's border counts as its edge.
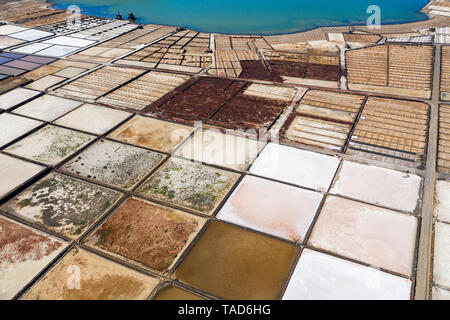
(445, 73)
(361, 38)
(21, 12)
(368, 65)
(95, 189)
(122, 45)
(62, 27)
(230, 51)
(144, 91)
(226, 103)
(186, 48)
(398, 66)
(183, 224)
(443, 161)
(97, 83)
(323, 119)
(394, 131)
(312, 64)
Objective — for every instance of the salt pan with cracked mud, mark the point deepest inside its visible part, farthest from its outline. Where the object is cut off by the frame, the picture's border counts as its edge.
(189, 185)
(114, 164)
(146, 233)
(62, 204)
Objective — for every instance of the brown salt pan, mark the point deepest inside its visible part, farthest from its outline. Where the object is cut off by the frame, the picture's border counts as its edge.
(233, 263)
(100, 279)
(171, 292)
(146, 233)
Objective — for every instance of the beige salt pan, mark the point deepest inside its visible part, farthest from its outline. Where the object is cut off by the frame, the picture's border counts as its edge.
(373, 235)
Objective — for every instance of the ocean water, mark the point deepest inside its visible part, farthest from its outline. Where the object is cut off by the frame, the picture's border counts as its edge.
(252, 16)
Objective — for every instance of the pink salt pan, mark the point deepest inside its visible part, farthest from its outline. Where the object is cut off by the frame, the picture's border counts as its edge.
(379, 237)
(272, 207)
(384, 187)
(318, 276)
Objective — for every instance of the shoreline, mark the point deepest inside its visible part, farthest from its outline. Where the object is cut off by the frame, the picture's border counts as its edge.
(422, 10)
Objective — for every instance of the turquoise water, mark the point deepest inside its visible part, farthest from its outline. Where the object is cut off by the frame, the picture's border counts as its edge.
(252, 16)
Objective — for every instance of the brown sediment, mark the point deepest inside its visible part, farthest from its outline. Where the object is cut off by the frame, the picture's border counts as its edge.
(311, 64)
(248, 112)
(233, 263)
(99, 279)
(11, 83)
(252, 69)
(171, 292)
(20, 244)
(147, 233)
(200, 100)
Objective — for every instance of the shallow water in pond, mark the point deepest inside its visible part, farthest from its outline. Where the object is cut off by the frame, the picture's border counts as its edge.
(253, 16)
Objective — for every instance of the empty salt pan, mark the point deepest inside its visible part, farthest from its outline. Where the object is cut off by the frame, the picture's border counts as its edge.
(31, 35)
(17, 96)
(304, 168)
(47, 107)
(385, 187)
(442, 209)
(58, 51)
(15, 172)
(12, 127)
(226, 150)
(9, 29)
(318, 276)
(32, 48)
(93, 119)
(441, 266)
(69, 41)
